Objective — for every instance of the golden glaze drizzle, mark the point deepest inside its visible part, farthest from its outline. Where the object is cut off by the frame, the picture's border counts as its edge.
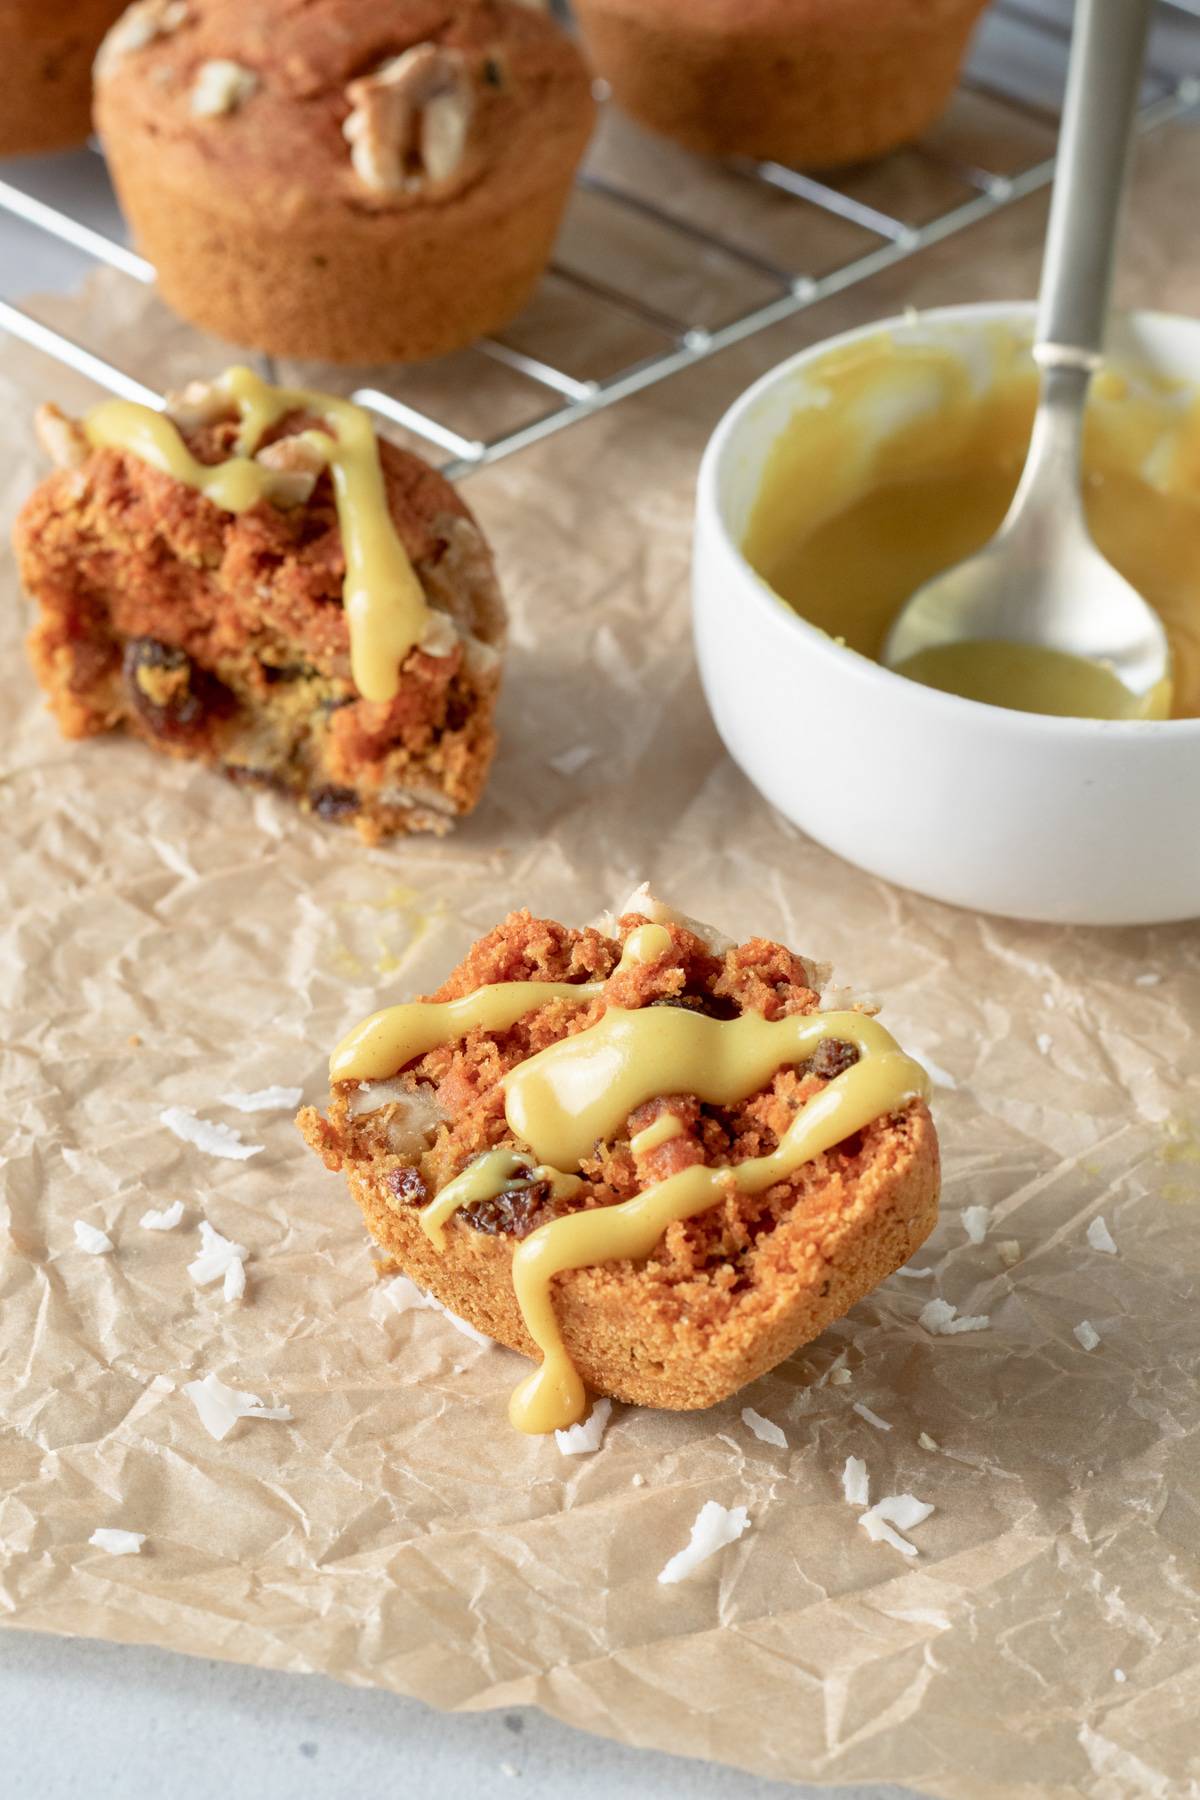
(385, 605)
(387, 1040)
(881, 1082)
(583, 1088)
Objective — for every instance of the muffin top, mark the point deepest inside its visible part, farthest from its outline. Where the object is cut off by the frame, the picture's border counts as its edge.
(371, 105)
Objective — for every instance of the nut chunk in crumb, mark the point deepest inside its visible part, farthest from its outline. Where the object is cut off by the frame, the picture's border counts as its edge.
(195, 590)
(636, 1151)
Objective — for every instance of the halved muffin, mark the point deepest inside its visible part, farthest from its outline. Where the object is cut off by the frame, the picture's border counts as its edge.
(639, 1150)
(254, 581)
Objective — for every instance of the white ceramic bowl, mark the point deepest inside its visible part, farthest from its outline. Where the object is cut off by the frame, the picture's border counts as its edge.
(1081, 821)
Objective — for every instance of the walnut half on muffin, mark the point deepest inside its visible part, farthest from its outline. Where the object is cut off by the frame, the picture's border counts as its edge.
(253, 580)
(638, 1152)
(347, 181)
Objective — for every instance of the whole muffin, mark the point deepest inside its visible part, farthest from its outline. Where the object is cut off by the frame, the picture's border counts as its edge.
(346, 181)
(810, 83)
(46, 52)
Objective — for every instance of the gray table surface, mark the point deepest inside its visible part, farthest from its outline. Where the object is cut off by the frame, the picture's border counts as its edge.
(88, 1719)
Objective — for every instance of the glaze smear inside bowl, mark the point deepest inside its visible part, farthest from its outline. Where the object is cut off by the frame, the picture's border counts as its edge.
(903, 459)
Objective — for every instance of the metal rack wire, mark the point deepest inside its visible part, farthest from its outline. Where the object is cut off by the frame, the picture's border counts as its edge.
(666, 260)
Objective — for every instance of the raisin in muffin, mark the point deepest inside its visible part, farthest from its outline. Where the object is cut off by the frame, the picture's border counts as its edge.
(46, 50)
(224, 635)
(783, 1191)
(357, 183)
(811, 83)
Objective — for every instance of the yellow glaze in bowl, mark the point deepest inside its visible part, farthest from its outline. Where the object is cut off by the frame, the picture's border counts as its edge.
(904, 461)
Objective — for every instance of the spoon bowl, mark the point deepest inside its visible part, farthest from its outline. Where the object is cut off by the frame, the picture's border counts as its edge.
(1038, 617)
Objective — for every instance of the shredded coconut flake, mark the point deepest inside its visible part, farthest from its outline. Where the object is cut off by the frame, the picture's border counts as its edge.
(975, 1222)
(268, 1099)
(569, 762)
(162, 1384)
(879, 1531)
(766, 1429)
(714, 1527)
(221, 1407)
(217, 1256)
(839, 1377)
(928, 1443)
(1087, 1335)
(638, 1480)
(1150, 978)
(1009, 1251)
(1100, 1237)
(166, 1220)
(91, 1238)
(872, 1418)
(1119, 1675)
(909, 1270)
(941, 1319)
(234, 1285)
(903, 1510)
(404, 1296)
(213, 1139)
(856, 1485)
(1045, 1042)
(577, 1440)
(117, 1543)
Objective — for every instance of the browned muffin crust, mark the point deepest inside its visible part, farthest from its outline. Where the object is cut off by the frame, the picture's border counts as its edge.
(46, 53)
(262, 225)
(815, 84)
(222, 637)
(727, 1294)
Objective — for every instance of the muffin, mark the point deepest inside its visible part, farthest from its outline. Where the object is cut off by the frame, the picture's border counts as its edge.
(638, 1151)
(351, 182)
(814, 84)
(254, 582)
(46, 52)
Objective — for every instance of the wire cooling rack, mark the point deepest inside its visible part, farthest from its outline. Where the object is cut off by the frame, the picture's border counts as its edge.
(666, 259)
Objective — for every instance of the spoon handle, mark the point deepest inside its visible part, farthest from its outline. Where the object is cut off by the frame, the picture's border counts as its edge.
(1107, 50)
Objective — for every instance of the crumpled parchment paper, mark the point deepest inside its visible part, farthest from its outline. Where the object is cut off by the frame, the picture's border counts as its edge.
(167, 937)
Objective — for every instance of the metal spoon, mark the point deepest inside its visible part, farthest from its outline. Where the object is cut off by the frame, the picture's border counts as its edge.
(1041, 581)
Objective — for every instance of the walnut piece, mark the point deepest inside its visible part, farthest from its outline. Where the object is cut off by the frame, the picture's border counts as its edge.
(138, 26)
(410, 120)
(296, 463)
(462, 582)
(441, 634)
(61, 438)
(198, 404)
(221, 87)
